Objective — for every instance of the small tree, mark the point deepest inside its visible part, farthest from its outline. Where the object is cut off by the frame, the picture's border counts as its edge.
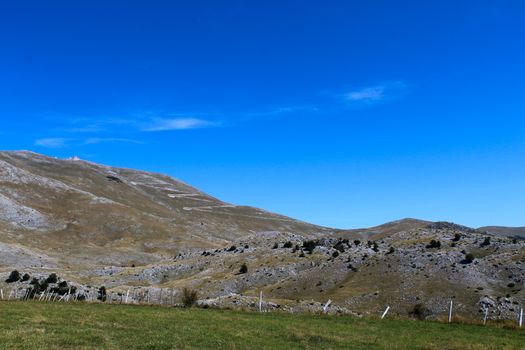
(468, 258)
(310, 245)
(243, 269)
(434, 244)
(52, 278)
(14, 276)
(357, 242)
(189, 297)
(457, 237)
(102, 294)
(486, 242)
(25, 277)
(288, 245)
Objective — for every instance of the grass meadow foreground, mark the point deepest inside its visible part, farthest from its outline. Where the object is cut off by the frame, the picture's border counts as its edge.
(39, 325)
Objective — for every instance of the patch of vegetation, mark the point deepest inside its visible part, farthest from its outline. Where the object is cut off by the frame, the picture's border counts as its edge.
(243, 269)
(275, 246)
(189, 297)
(232, 248)
(52, 278)
(434, 244)
(391, 250)
(335, 254)
(469, 258)
(357, 242)
(310, 245)
(14, 276)
(457, 237)
(486, 242)
(288, 245)
(102, 294)
(420, 311)
(114, 178)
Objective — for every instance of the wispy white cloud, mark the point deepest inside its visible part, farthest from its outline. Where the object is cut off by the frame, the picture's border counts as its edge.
(167, 124)
(52, 142)
(376, 93)
(283, 110)
(97, 140)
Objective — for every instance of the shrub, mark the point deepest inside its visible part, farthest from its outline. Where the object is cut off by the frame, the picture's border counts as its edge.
(335, 254)
(52, 278)
(420, 311)
(468, 258)
(457, 237)
(310, 245)
(375, 247)
(102, 294)
(243, 269)
(288, 245)
(357, 242)
(486, 242)
(340, 247)
(25, 277)
(391, 250)
(433, 244)
(232, 248)
(302, 254)
(275, 246)
(189, 297)
(14, 276)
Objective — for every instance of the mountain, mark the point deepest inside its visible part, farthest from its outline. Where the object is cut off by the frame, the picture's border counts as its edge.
(95, 214)
(145, 233)
(505, 231)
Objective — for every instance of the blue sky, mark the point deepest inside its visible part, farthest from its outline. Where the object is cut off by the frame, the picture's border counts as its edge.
(341, 113)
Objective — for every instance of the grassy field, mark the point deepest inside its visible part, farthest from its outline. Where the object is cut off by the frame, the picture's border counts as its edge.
(39, 325)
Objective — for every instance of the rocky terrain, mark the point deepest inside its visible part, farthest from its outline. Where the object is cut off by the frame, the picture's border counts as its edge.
(146, 236)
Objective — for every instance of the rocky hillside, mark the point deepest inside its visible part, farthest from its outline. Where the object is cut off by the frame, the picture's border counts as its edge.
(152, 236)
(57, 212)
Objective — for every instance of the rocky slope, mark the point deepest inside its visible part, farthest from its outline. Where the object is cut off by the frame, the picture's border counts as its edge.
(151, 236)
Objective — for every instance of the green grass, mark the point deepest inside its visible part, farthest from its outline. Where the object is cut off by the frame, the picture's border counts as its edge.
(40, 325)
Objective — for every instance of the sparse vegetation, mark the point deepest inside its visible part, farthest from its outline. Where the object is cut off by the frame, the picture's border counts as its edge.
(486, 242)
(288, 245)
(357, 242)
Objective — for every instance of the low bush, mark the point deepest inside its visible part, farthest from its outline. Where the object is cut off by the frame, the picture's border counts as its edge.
(288, 245)
(469, 257)
(52, 278)
(189, 297)
(486, 242)
(420, 311)
(433, 244)
(14, 276)
(243, 269)
(102, 294)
